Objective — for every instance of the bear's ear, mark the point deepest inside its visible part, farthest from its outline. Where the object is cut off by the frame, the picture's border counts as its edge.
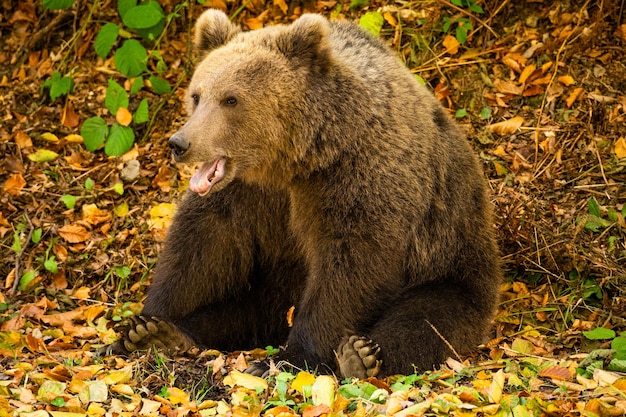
(306, 40)
(213, 29)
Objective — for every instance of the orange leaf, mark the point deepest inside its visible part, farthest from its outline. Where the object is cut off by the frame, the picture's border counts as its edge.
(573, 96)
(74, 233)
(451, 44)
(316, 411)
(59, 319)
(506, 127)
(123, 116)
(14, 184)
(566, 80)
(69, 117)
(93, 215)
(527, 72)
(555, 372)
(23, 140)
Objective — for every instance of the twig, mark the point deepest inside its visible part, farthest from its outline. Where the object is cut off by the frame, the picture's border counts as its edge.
(16, 279)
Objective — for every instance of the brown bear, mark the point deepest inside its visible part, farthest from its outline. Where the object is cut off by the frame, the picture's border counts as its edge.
(332, 180)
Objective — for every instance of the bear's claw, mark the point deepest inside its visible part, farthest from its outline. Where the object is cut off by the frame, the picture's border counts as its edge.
(144, 332)
(358, 357)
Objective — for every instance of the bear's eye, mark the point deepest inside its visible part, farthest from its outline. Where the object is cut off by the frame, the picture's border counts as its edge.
(230, 101)
(196, 99)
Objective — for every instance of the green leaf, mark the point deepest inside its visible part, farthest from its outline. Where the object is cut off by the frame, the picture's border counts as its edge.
(131, 58)
(372, 22)
(143, 16)
(619, 344)
(121, 139)
(159, 85)
(106, 39)
(485, 113)
(36, 237)
(94, 131)
(51, 265)
(141, 114)
(119, 188)
(461, 34)
(57, 4)
(358, 3)
(69, 201)
(26, 279)
(43, 155)
(89, 184)
(595, 223)
(599, 333)
(136, 86)
(115, 98)
(594, 207)
(124, 6)
(58, 85)
(121, 271)
(460, 113)
(17, 243)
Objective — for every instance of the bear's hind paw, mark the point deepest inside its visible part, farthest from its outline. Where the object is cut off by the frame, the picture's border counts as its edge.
(358, 358)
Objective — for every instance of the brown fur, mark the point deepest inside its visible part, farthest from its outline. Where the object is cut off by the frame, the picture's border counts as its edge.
(348, 192)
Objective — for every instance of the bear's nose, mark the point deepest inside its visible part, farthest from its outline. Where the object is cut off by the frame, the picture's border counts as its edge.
(178, 145)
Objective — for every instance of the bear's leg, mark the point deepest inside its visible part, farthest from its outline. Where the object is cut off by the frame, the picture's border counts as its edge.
(419, 332)
(217, 276)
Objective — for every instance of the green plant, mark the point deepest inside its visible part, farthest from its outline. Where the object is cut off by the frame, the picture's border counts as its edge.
(611, 359)
(594, 219)
(463, 24)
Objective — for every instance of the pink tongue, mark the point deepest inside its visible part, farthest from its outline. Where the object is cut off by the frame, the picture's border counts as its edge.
(200, 183)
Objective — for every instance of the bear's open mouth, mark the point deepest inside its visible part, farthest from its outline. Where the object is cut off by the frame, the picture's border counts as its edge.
(207, 176)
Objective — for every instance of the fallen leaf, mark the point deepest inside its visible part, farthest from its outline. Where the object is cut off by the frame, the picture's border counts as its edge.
(527, 72)
(508, 87)
(236, 378)
(555, 372)
(573, 96)
(23, 140)
(74, 233)
(620, 148)
(323, 390)
(123, 116)
(451, 44)
(43, 155)
(69, 118)
(506, 127)
(566, 80)
(93, 215)
(49, 137)
(14, 184)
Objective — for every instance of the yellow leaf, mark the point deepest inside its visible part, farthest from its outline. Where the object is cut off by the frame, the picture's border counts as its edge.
(93, 215)
(451, 44)
(302, 380)
(74, 138)
(524, 346)
(123, 116)
(620, 148)
(177, 396)
(236, 378)
(43, 155)
(495, 389)
(323, 390)
(161, 215)
(527, 72)
(500, 169)
(121, 210)
(74, 233)
(49, 137)
(573, 96)
(506, 127)
(118, 377)
(94, 311)
(123, 389)
(566, 80)
(81, 293)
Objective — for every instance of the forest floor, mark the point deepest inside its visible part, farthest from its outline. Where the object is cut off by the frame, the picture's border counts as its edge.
(540, 88)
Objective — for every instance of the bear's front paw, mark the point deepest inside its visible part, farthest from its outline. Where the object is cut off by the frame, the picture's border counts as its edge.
(145, 332)
(358, 358)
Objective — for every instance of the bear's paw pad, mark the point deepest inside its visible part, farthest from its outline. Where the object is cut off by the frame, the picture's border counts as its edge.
(358, 358)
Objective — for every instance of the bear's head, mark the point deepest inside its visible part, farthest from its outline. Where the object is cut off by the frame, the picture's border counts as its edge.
(247, 100)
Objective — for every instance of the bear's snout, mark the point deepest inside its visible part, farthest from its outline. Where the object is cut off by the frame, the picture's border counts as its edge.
(179, 145)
